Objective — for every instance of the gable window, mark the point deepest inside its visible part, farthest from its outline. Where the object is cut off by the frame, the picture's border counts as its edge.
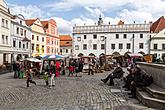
(102, 46)
(84, 46)
(117, 36)
(113, 46)
(85, 36)
(140, 45)
(3, 39)
(155, 46)
(120, 46)
(141, 35)
(94, 36)
(23, 46)
(27, 45)
(3, 22)
(94, 46)
(37, 38)
(17, 30)
(76, 47)
(67, 42)
(124, 36)
(25, 33)
(32, 37)
(78, 38)
(42, 39)
(6, 39)
(21, 32)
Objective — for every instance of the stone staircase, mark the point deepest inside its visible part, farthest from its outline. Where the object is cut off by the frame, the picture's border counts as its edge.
(152, 96)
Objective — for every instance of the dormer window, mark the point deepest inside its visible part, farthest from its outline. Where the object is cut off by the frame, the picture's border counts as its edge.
(67, 42)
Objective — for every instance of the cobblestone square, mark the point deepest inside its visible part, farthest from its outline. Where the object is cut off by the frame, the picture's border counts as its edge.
(69, 93)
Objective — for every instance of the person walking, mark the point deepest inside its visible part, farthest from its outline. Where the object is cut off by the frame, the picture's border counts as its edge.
(29, 78)
(90, 68)
(52, 74)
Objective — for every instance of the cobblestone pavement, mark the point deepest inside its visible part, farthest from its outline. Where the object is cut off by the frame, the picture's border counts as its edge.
(69, 93)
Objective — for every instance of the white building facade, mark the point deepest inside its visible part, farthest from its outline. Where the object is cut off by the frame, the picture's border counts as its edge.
(111, 39)
(21, 35)
(5, 38)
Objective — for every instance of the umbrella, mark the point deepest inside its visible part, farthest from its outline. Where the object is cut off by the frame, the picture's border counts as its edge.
(33, 60)
(55, 56)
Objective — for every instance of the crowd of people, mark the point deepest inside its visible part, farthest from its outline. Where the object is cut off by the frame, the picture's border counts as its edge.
(136, 78)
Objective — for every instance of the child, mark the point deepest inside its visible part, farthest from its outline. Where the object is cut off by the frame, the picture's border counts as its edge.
(46, 78)
(29, 78)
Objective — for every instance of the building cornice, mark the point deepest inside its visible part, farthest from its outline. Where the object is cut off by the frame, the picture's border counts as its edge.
(16, 23)
(6, 13)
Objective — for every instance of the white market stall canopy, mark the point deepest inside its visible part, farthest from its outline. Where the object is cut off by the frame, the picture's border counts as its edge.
(32, 60)
(135, 55)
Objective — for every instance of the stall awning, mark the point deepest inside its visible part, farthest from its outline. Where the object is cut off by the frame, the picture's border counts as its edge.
(135, 55)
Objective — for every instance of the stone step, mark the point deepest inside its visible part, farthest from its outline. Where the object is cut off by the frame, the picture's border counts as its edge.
(150, 101)
(156, 91)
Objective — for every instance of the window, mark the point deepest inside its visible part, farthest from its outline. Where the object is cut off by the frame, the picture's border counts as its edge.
(3, 39)
(37, 38)
(94, 46)
(52, 42)
(25, 33)
(84, 46)
(32, 46)
(85, 36)
(42, 48)
(67, 42)
(52, 50)
(140, 45)
(61, 50)
(23, 46)
(37, 48)
(7, 23)
(20, 22)
(76, 47)
(3, 22)
(128, 46)
(32, 37)
(47, 41)
(94, 36)
(66, 50)
(14, 43)
(27, 45)
(55, 42)
(163, 46)
(113, 46)
(17, 30)
(19, 44)
(124, 36)
(102, 38)
(155, 46)
(102, 46)
(78, 38)
(141, 35)
(117, 36)
(42, 39)
(6, 39)
(120, 46)
(21, 32)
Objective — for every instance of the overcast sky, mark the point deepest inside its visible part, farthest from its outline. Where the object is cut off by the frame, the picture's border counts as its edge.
(70, 12)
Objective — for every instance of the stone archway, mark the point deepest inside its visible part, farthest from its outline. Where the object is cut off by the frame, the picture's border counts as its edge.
(91, 54)
(80, 55)
(116, 54)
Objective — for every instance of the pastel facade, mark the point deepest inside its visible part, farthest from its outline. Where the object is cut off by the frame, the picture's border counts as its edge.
(21, 38)
(52, 37)
(157, 45)
(5, 38)
(66, 45)
(38, 38)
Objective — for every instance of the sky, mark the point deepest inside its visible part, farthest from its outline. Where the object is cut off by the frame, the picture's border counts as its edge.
(67, 13)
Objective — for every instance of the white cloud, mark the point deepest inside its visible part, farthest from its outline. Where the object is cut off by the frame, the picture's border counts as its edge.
(29, 11)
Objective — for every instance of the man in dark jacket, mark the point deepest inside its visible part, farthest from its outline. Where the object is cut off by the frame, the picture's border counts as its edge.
(117, 73)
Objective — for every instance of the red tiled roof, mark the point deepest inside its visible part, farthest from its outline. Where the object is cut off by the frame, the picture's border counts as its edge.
(29, 22)
(158, 25)
(65, 38)
(45, 24)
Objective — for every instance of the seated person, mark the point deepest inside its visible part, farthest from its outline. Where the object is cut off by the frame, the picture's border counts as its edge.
(141, 79)
(117, 73)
